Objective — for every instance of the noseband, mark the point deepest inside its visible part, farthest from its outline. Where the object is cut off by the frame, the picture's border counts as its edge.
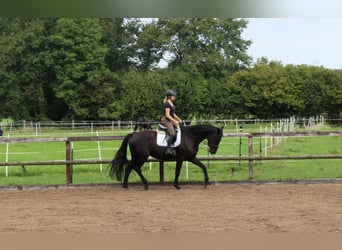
(212, 146)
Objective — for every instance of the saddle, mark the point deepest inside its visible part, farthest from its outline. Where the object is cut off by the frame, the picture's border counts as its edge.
(163, 135)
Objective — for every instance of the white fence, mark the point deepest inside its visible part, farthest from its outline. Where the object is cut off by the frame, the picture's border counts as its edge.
(69, 162)
(44, 127)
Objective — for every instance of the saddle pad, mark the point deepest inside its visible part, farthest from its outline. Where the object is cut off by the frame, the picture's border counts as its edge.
(162, 142)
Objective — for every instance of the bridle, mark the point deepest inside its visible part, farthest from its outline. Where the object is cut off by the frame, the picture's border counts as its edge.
(212, 146)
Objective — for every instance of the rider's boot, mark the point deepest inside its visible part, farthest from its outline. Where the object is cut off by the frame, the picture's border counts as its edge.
(169, 150)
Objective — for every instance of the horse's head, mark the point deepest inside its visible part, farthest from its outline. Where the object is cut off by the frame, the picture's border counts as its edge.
(214, 140)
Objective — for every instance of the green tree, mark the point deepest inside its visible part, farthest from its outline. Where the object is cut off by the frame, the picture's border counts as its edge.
(333, 99)
(115, 38)
(191, 88)
(22, 43)
(147, 43)
(214, 45)
(79, 63)
(321, 91)
(263, 91)
(214, 48)
(10, 48)
(311, 89)
(142, 95)
(33, 67)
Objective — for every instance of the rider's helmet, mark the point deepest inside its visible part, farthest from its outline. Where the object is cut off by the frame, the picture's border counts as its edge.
(170, 93)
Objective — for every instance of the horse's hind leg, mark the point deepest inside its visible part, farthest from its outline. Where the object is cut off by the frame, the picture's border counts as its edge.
(128, 170)
(137, 169)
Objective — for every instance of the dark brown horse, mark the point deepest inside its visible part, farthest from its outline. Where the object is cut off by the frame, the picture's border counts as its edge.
(142, 123)
(143, 144)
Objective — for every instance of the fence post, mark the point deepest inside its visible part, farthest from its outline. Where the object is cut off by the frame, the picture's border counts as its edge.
(240, 146)
(250, 154)
(161, 172)
(68, 165)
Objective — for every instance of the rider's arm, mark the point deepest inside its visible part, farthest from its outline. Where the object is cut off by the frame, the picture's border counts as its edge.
(169, 117)
(178, 119)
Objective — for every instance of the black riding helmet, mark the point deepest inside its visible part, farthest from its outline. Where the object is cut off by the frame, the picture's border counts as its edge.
(171, 92)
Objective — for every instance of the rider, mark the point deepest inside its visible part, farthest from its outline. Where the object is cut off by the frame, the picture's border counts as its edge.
(171, 118)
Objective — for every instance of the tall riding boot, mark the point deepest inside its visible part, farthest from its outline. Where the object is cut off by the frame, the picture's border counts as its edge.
(169, 150)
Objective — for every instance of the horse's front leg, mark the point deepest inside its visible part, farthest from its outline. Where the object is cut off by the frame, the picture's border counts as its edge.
(177, 173)
(204, 169)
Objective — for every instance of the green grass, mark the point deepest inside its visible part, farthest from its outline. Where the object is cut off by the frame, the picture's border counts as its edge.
(302, 169)
(218, 171)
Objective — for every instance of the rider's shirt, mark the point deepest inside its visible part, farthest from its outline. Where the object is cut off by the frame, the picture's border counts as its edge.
(172, 108)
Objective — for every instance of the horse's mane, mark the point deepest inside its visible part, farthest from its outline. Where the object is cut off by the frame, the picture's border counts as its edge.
(197, 128)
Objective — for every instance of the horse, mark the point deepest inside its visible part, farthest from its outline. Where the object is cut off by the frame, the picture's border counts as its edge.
(1, 132)
(143, 144)
(186, 122)
(142, 123)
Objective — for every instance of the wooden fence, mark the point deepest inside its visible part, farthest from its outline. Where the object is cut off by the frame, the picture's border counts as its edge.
(68, 162)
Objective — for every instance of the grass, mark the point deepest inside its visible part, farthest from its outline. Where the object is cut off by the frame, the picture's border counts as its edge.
(303, 169)
(218, 171)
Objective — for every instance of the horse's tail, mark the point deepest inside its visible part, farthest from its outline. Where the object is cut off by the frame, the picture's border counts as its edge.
(116, 167)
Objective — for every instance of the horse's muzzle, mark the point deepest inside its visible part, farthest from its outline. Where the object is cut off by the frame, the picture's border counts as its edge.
(213, 149)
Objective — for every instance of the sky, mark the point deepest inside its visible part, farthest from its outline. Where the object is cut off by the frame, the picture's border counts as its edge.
(310, 41)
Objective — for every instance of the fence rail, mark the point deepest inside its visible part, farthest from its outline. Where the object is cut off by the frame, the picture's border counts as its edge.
(250, 158)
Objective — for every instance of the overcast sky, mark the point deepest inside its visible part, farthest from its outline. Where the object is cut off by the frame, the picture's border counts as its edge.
(311, 41)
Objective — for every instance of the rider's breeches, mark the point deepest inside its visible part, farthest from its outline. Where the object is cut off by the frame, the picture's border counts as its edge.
(170, 128)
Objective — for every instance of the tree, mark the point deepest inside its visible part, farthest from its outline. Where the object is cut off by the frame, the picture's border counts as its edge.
(321, 91)
(115, 39)
(79, 63)
(146, 45)
(212, 47)
(191, 88)
(142, 95)
(22, 62)
(90, 68)
(263, 91)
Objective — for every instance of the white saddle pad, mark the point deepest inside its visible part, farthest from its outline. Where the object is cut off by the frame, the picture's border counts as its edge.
(163, 143)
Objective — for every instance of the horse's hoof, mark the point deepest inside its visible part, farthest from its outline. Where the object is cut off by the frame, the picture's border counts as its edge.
(176, 186)
(206, 182)
(125, 186)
